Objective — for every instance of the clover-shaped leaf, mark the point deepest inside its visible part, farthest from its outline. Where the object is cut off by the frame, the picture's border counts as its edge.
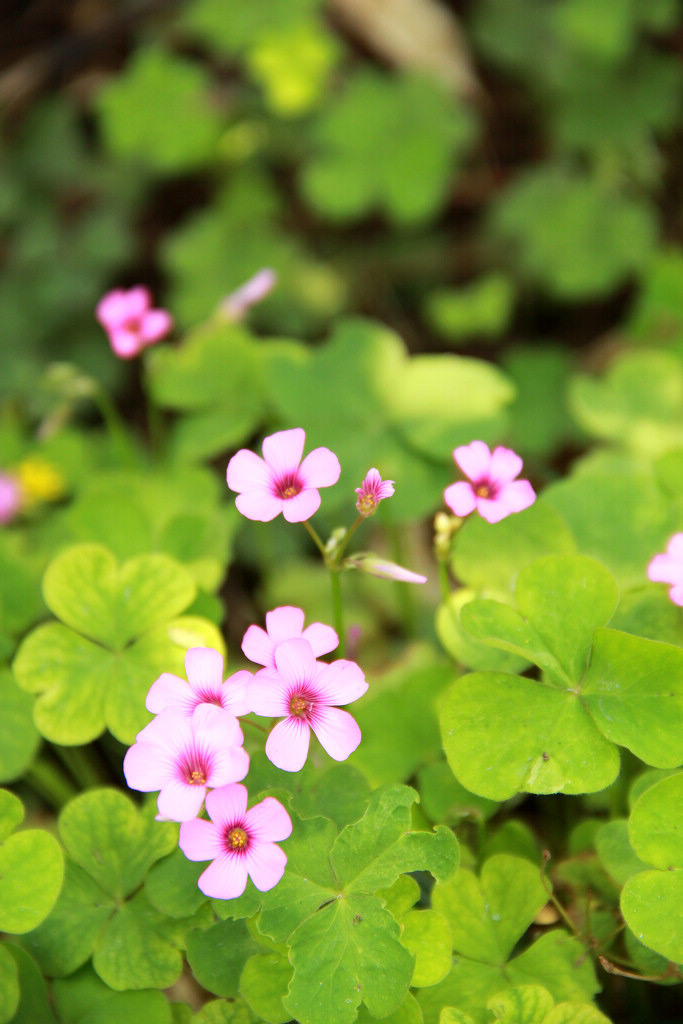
(10, 992)
(102, 911)
(19, 737)
(31, 870)
(652, 901)
(94, 672)
(85, 999)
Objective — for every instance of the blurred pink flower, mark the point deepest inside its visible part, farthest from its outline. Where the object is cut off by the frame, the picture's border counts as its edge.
(10, 498)
(372, 491)
(205, 685)
(375, 566)
(130, 321)
(183, 757)
(668, 568)
(239, 842)
(306, 692)
(280, 481)
(237, 303)
(492, 488)
(286, 623)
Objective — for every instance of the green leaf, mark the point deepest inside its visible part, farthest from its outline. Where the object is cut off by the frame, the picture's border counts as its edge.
(565, 598)
(9, 985)
(112, 840)
(539, 416)
(84, 999)
(615, 851)
(143, 131)
(85, 588)
(427, 935)
(443, 798)
(19, 737)
(656, 823)
(137, 949)
(499, 625)
(557, 961)
(31, 870)
(481, 307)
(374, 851)
(348, 951)
(460, 642)
(634, 691)
(488, 917)
(590, 241)
(263, 985)
(34, 1002)
(171, 885)
(218, 954)
(388, 142)
(339, 791)
(504, 734)
(408, 1012)
(525, 1004)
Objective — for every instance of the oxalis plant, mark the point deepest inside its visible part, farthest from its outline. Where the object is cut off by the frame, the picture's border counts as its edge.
(493, 833)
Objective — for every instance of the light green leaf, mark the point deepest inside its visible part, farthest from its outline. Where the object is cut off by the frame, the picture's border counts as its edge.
(615, 851)
(19, 737)
(171, 885)
(502, 627)
(504, 734)
(427, 935)
(634, 691)
(656, 824)
(85, 999)
(31, 870)
(348, 951)
(11, 813)
(263, 985)
(138, 948)
(526, 1004)
(34, 1002)
(408, 1012)
(218, 954)
(481, 307)
(9, 986)
(557, 961)
(460, 643)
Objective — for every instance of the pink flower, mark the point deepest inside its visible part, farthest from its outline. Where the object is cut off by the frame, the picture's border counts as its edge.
(236, 305)
(280, 481)
(130, 321)
(668, 568)
(282, 624)
(306, 692)
(493, 490)
(10, 498)
(183, 757)
(372, 491)
(205, 685)
(374, 566)
(239, 842)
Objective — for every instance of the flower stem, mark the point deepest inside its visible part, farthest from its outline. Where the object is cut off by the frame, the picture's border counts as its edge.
(82, 765)
(50, 783)
(337, 608)
(316, 538)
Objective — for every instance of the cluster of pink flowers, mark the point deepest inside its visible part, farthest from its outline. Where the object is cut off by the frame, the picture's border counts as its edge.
(192, 751)
(491, 488)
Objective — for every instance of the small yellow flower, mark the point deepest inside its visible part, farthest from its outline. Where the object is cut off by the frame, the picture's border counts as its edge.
(40, 480)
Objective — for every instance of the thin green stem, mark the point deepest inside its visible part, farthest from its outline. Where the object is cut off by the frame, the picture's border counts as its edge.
(316, 538)
(83, 765)
(548, 886)
(444, 581)
(254, 725)
(50, 783)
(337, 608)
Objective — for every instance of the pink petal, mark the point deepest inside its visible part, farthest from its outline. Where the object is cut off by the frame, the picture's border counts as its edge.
(171, 731)
(492, 509)
(199, 839)
(474, 460)
(675, 547)
(268, 694)
(505, 465)
(295, 661)
(266, 864)
(268, 821)
(112, 308)
(247, 472)
(460, 498)
(283, 450)
(320, 468)
(323, 639)
(229, 765)
(179, 801)
(169, 691)
(664, 569)
(227, 804)
(147, 768)
(257, 646)
(155, 325)
(216, 728)
(337, 732)
(284, 623)
(261, 506)
(517, 496)
(236, 693)
(301, 507)
(676, 594)
(125, 343)
(204, 668)
(287, 745)
(225, 878)
(340, 682)
(138, 301)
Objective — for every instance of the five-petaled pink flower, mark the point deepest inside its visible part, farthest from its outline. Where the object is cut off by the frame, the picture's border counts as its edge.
(668, 568)
(371, 492)
(183, 757)
(492, 488)
(286, 623)
(205, 685)
(306, 692)
(10, 498)
(280, 481)
(239, 842)
(130, 321)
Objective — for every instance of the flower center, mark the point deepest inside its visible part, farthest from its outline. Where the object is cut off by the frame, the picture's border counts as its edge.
(236, 838)
(484, 490)
(301, 704)
(288, 486)
(194, 771)
(196, 777)
(366, 504)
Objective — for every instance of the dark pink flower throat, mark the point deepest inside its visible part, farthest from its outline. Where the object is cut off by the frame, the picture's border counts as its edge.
(288, 486)
(236, 838)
